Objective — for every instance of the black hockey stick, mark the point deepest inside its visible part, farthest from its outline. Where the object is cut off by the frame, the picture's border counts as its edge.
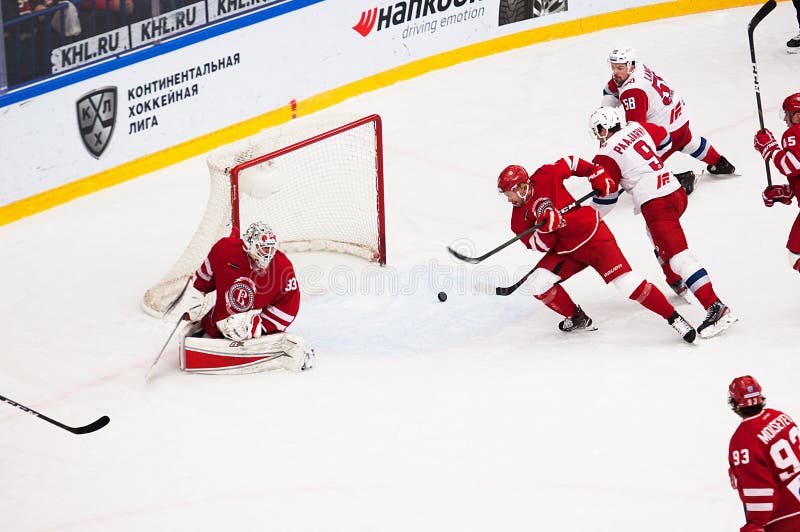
(503, 290)
(91, 427)
(765, 10)
(476, 260)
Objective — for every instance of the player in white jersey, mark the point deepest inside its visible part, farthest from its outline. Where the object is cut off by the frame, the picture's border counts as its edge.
(629, 156)
(646, 97)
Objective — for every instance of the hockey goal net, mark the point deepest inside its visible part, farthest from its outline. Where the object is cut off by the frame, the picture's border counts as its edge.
(318, 184)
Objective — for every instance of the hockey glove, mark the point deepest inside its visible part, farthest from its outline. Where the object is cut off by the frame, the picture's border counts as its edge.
(197, 305)
(602, 181)
(549, 219)
(764, 143)
(242, 326)
(778, 193)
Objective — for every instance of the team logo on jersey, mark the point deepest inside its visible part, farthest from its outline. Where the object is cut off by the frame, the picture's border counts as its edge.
(97, 114)
(241, 295)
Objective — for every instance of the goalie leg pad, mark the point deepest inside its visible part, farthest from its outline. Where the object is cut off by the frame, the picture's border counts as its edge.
(222, 356)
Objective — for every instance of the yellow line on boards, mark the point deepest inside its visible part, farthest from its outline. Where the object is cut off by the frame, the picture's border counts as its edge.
(191, 148)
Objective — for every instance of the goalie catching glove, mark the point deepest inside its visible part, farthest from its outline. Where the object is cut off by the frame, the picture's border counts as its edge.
(242, 326)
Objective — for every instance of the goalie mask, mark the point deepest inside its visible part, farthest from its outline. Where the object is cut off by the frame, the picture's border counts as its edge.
(260, 244)
(744, 392)
(607, 118)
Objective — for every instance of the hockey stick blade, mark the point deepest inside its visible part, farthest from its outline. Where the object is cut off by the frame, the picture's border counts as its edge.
(484, 287)
(91, 427)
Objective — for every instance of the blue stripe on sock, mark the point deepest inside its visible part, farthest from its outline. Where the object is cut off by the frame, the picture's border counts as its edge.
(695, 277)
(701, 149)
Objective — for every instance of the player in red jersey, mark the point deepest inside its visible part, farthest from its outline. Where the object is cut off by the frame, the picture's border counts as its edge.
(629, 155)
(646, 97)
(787, 160)
(573, 241)
(764, 458)
(255, 285)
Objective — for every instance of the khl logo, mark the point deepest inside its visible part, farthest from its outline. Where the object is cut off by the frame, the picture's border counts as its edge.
(97, 113)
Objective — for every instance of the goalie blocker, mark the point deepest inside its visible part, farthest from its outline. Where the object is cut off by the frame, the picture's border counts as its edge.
(223, 356)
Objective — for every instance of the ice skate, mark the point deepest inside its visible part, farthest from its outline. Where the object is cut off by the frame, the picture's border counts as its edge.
(723, 167)
(793, 46)
(310, 358)
(677, 322)
(686, 179)
(578, 321)
(718, 318)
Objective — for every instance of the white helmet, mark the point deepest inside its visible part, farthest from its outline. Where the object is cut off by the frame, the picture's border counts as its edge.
(608, 118)
(260, 243)
(623, 54)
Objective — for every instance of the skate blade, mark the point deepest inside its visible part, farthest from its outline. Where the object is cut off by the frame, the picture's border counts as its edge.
(725, 321)
(583, 329)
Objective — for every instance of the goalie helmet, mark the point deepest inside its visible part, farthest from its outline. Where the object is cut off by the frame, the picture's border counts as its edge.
(606, 117)
(260, 244)
(744, 392)
(623, 54)
(791, 105)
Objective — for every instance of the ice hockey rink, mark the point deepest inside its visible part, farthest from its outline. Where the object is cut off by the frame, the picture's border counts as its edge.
(475, 414)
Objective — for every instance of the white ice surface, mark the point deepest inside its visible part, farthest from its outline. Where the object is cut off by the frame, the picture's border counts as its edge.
(472, 415)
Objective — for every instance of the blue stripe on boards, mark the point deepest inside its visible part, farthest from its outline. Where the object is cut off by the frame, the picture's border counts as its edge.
(148, 52)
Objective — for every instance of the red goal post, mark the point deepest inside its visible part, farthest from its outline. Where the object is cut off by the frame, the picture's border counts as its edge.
(318, 183)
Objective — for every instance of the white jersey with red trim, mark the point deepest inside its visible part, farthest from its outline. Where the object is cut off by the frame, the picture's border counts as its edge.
(764, 459)
(631, 159)
(646, 97)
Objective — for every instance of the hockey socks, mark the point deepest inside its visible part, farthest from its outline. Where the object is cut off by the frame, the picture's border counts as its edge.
(651, 298)
(558, 299)
(705, 294)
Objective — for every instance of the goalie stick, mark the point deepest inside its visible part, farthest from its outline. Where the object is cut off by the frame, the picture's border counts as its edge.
(184, 317)
(91, 427)
(765, 10)
(476, 260)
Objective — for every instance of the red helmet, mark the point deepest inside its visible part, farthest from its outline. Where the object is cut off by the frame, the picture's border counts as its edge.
(743, 392)
(512, 175)
(792, 103)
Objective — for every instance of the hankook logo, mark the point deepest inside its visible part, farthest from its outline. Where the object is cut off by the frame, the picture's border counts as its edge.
(402, 12)
(97, 113)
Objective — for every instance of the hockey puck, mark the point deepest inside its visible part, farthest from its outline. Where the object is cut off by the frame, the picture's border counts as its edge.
(442, 296)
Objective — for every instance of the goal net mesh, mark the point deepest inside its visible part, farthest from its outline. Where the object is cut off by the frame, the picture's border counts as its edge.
(318, 184)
